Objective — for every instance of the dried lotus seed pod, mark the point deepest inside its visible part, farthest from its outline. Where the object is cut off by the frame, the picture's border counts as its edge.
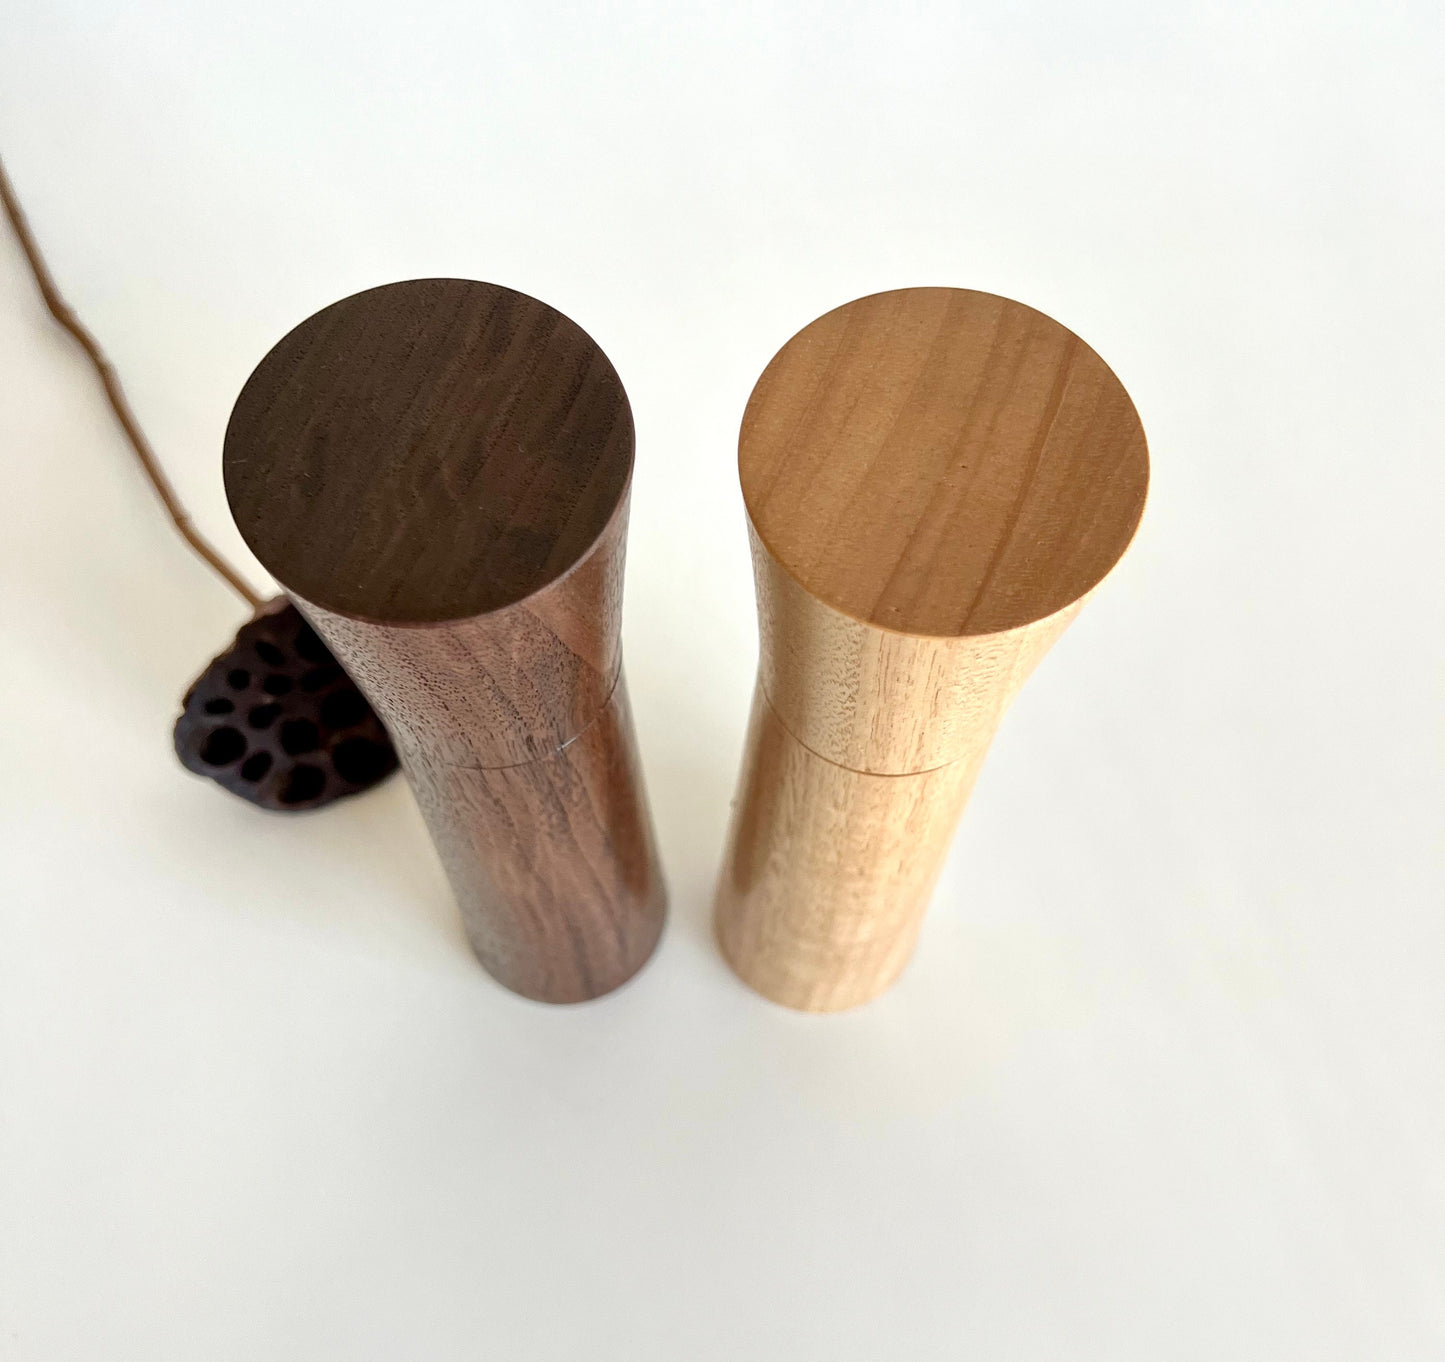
(276, 720)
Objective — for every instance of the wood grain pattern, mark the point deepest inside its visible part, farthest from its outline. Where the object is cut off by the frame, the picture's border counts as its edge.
(553, 861)
(829, 870)
(936, 481)
(428, 451)
(873, 700)
(505, 687)
(438, 474)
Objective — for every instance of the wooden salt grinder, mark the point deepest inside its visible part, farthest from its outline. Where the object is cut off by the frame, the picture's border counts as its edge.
(935, 482)
(437, 472)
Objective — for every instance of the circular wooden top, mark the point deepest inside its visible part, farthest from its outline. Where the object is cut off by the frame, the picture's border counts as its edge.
(942, 462)
(428, 451)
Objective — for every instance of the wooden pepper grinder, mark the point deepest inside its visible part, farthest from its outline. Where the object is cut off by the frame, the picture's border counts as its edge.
(935, 480)
(437, 472)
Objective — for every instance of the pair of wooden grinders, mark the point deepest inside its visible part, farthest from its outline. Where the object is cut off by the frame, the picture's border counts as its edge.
(935, 479)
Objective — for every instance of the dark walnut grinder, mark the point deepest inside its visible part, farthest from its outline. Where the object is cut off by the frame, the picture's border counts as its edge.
(276, 719)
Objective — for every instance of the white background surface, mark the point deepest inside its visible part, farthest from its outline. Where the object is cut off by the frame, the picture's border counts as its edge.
(1165, 1079)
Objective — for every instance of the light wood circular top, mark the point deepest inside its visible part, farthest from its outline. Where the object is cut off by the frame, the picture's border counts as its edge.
(942, 462)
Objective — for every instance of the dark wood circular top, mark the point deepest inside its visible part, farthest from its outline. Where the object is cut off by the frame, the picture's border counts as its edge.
(428, 451)
(942, 462)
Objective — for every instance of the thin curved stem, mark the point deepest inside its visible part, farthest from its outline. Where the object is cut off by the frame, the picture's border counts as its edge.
(61, 311)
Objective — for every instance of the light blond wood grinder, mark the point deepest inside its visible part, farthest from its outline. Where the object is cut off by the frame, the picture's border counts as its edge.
(935, 480)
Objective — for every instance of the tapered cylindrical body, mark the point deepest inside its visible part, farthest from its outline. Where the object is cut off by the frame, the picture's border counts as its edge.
(437, 472)
(935, 481)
